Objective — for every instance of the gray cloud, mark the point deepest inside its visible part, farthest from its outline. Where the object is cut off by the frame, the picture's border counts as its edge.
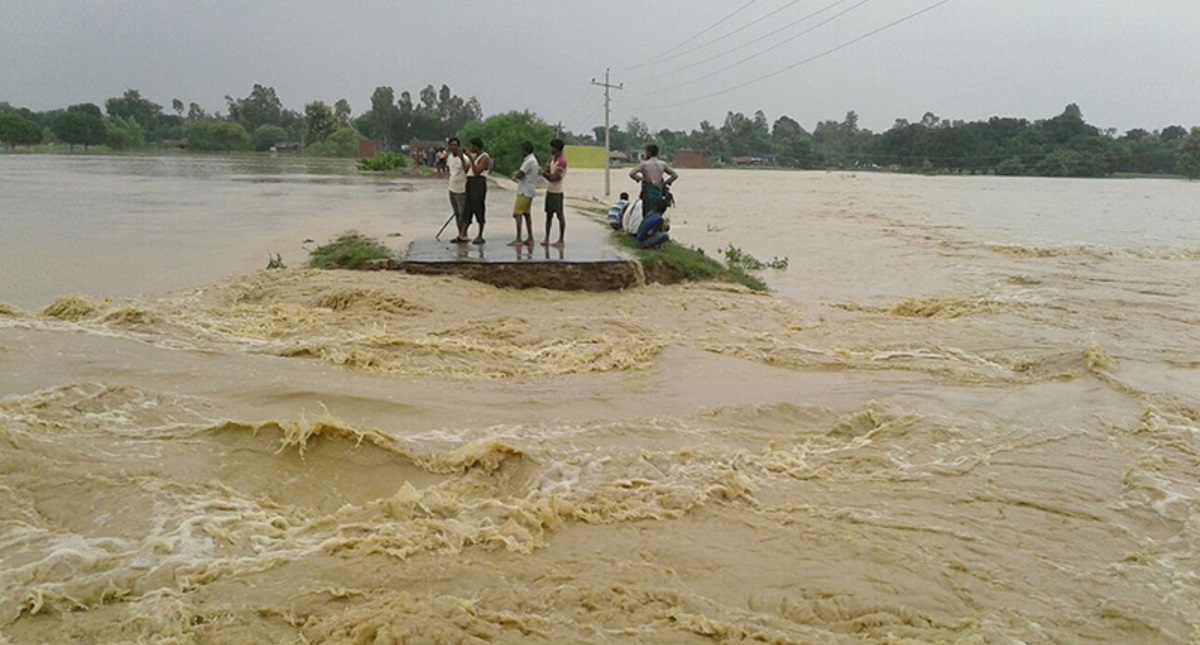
(1126, 64)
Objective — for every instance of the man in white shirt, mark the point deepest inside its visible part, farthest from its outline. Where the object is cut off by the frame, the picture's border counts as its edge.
(458, 189)
(526, 191)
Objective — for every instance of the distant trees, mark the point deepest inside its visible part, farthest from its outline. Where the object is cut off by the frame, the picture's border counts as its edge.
(266, 136)
(131, 106)
(342, 143)
(436, 115)
(1189, 155)
(261, 107)
(791, 144)
(81, 124)
(1061, 146)
(123, 134)
(503, 133)
(16, 130)
(319, 122)
(1064, 145)
(218, 136)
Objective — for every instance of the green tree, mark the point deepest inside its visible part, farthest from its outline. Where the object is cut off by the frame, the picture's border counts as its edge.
(1189, 155)
(319, 122)
(617, 139)
(123, 133)
(502, 134)
(638, 134)
(1011, 167)
(195, 113)
(1173, 133)
(791, 144)
(261, 107)
(131, 105)
(377, 123)
(266, 136)
(341, 112)
(343, 143)
(710, 140)
(80, 124)
(16, 130)
(217, 136)
(745, 135)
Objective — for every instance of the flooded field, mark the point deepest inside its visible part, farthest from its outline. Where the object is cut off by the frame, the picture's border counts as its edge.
(968, 412)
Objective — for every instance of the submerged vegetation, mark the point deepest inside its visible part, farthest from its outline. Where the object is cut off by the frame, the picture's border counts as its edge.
(351, 250)
(735, 257)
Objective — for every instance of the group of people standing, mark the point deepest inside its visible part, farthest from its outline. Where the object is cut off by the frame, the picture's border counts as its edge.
(469, 171)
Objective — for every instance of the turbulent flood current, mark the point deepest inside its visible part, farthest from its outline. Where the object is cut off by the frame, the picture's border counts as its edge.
(968, 412)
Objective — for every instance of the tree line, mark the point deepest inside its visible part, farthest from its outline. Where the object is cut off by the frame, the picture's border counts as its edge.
(257, 121)
(1061, 146)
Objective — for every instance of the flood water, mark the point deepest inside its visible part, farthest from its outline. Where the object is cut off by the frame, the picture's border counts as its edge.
(968, 412)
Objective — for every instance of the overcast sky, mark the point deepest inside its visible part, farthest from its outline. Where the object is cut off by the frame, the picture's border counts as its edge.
(1126, 63)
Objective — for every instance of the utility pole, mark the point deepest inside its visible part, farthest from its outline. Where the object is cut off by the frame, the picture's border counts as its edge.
(607, 104)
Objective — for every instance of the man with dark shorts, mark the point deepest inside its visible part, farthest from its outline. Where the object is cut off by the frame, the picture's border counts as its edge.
(479, 166)
(554, 172)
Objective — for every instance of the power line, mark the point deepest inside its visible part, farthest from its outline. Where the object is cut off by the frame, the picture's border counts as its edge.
(579, 103)
(812, 58)
(765, 51)
(702, 32)
(747, 44)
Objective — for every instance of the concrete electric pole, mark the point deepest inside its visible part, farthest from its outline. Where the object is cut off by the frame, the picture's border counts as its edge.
(607, 108)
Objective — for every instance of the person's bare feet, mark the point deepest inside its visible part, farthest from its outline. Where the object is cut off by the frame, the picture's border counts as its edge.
(529, 242)
(558, 245)
(516, 242)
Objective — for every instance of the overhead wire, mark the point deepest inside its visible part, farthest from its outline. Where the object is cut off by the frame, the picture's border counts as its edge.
(765, 51)
(744, 27)
(701, 33)
(579, 103)
(743, 46)
(811, 58)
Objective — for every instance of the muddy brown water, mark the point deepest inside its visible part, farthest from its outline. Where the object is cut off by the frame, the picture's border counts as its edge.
(967, 413)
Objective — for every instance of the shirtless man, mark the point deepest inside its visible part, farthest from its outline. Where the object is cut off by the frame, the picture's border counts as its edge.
(654, 174)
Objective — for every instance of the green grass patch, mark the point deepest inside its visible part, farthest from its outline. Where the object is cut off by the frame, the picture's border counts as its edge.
(384, 162)
(686, 264)
(351, 250)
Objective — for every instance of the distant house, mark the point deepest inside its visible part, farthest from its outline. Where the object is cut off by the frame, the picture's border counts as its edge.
(691, 159)
(617, 155)
(754, 160)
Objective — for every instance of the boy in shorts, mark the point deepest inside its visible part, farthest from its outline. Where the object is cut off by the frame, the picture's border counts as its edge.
(526, 190)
